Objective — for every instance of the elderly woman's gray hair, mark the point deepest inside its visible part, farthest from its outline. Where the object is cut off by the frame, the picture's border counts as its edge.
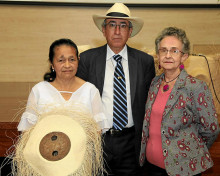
(178, 33)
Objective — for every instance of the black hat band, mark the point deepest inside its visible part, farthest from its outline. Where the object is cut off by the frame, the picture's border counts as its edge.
(117, 14)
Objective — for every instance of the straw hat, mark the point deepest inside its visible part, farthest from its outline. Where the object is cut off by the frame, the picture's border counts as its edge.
(61, 143)
(119, 10)
(53, 162)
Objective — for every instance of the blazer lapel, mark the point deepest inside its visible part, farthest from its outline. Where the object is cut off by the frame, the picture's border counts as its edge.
(153, 91)
(175, 93)
(100, 68)
(132, 65)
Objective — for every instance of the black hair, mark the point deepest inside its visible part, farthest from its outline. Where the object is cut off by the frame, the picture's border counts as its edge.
(51, 75)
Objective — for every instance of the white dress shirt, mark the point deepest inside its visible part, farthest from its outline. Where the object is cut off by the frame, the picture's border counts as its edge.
(107, 95)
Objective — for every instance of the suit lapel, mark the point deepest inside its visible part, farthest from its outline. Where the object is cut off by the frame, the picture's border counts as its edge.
(132, 65)
(100, 67)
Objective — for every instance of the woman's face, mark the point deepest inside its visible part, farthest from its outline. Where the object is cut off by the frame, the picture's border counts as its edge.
(65, 62)
(170, 53)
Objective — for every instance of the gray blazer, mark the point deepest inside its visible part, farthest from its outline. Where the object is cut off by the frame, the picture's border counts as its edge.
(189, 126)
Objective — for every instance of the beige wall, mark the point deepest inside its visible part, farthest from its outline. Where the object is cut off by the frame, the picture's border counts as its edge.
(26, 33)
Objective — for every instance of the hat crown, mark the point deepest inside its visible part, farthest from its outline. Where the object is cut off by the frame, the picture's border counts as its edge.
(119, 11)
(119, 8)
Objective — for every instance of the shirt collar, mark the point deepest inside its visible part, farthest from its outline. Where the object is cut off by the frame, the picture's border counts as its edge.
(123, 53)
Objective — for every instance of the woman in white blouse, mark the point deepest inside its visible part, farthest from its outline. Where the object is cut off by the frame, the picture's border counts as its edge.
(62, 88)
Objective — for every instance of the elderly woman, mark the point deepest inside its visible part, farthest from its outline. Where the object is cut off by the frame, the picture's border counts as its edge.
(180, 123)
(62, 88)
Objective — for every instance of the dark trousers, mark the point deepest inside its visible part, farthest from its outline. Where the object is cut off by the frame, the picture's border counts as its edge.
(119, 154)
(152, 170)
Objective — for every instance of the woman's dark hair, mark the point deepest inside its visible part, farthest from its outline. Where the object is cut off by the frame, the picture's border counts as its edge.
(50, 76)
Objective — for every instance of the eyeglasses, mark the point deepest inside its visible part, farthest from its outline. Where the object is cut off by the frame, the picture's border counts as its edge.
(113, 26)
(172, 51)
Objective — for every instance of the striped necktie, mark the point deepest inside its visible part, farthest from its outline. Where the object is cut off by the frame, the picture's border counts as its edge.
(120, 117)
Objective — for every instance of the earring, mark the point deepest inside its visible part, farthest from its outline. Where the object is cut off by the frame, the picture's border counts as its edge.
(159, 66)
(53, 70)
(181, 67)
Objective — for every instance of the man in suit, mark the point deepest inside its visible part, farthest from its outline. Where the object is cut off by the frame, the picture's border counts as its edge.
(121, 143)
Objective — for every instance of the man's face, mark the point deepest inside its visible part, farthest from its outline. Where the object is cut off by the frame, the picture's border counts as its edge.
(116, 32)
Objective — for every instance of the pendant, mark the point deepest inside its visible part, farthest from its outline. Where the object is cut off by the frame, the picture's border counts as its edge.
(165, 87)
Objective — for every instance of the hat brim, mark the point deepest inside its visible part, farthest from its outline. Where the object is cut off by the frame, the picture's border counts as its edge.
(74, 159)
(84, 152)
(137, 23)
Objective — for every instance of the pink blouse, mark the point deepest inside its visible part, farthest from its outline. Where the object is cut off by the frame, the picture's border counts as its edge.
(154, 152)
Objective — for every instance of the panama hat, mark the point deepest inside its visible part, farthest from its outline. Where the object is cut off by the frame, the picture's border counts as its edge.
(62, 143)
(119, 10)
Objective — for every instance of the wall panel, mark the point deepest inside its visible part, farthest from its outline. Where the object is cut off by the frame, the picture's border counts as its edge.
(26, 33)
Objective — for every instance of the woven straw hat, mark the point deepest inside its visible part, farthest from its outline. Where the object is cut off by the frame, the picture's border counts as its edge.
(60, 144)
(119, 10)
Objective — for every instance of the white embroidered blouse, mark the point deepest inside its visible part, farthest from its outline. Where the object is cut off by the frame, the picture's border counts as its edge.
(43, 96)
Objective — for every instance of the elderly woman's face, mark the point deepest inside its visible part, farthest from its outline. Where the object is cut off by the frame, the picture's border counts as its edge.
(170, 53)
(65, 62)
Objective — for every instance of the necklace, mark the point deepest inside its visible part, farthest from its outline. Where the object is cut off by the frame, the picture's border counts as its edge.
(166, 86)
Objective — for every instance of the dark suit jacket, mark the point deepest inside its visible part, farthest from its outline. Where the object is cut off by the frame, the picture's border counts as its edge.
(141, 71)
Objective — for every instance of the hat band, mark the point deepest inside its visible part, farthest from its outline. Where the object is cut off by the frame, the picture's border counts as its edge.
(117, 14)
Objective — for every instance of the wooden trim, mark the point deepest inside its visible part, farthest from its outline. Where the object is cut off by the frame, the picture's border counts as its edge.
(8, 136)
